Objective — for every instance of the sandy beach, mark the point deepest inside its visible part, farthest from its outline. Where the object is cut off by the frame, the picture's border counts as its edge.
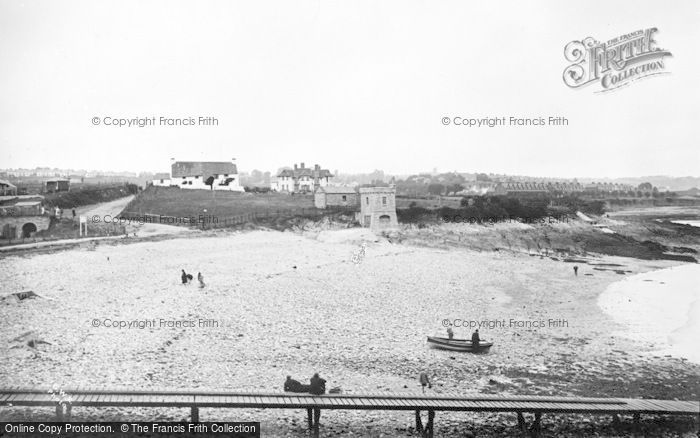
(279, 304)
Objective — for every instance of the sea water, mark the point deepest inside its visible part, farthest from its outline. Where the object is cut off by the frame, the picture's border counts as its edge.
(694, 223)
(659, 307)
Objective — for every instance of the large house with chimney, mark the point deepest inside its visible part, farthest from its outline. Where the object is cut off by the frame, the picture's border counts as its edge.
(206, 175)
(301, 179)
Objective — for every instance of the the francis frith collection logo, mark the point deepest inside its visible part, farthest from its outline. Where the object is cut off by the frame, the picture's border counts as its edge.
(616, 62)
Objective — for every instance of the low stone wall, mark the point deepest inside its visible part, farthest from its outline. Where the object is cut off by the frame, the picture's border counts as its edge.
(16, 227)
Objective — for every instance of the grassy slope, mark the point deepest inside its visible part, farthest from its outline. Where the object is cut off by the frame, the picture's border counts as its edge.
(169, 201)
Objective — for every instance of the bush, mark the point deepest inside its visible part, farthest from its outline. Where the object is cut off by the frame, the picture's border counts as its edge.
(415, 215)
(87, 196)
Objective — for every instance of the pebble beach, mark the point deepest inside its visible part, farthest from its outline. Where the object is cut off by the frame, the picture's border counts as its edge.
(281, 303)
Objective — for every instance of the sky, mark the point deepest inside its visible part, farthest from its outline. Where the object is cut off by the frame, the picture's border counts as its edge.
(350, 85)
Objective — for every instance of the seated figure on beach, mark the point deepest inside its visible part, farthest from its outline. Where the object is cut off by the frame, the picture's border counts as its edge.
(200, 277)
(475, 337)
(291, 385)
(184, 277)
(318, 385)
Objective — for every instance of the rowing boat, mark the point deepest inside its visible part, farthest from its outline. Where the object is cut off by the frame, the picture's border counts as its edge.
(462, 345)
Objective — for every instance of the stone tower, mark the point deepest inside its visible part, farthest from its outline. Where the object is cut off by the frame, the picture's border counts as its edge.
(378, 207)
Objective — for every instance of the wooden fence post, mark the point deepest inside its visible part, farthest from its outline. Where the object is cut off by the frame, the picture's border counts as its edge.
(429, 426)
(637, 426)
(522, 426)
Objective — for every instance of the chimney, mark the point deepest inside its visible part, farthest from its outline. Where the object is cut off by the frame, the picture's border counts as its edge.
(295, 166)
(317, 167)
(302, 165)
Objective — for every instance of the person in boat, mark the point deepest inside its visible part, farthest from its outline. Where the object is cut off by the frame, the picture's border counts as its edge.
(424, 381)
(450, 333)
(475, 338)
(318, 385)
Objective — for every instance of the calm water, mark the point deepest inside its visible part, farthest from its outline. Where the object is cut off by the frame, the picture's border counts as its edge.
(661, 308)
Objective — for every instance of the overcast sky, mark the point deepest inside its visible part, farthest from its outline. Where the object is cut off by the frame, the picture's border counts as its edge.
(351, 85)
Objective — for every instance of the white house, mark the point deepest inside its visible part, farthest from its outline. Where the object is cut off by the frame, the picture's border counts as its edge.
(301, 179)
(204, 175)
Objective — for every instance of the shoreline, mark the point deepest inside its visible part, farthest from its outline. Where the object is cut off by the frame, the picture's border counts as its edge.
(279, 313)
(660, 307)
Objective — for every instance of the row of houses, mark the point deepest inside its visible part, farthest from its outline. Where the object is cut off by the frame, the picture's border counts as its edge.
(376, 205)
(562, 188)
(223, 175)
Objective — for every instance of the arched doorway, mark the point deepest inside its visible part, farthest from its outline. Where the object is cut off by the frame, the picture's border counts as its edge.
(384, 220)
(28, 229)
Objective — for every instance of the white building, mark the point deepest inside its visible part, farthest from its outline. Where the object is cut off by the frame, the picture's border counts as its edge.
(204, 175)
(301, 179)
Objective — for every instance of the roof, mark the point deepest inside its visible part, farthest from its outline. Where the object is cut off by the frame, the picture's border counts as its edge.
(5, 182)
(204, 169)
(27, 203)
(306, 171)
(339, 190)
(377, 189)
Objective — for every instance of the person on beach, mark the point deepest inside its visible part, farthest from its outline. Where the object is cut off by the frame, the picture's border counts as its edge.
(291, 385)
(200, 278)
(576, 270)
(475, 338)
(424, 381)
(185, 277)
(450, 333)
(318, 385)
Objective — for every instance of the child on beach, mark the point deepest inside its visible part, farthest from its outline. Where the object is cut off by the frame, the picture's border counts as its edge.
(200, 278)
(424, 381)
